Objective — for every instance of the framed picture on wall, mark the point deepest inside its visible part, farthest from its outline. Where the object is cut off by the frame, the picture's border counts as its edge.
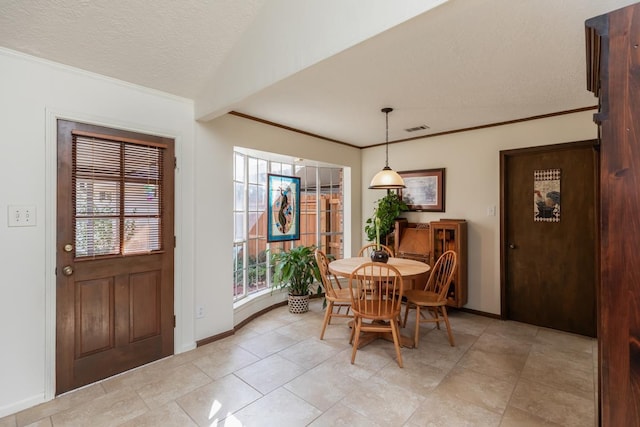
(283, 208)
(424, 190)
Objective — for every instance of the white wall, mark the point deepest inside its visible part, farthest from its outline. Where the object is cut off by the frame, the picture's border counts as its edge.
(472, 163)
(32, 94)
(214, 198)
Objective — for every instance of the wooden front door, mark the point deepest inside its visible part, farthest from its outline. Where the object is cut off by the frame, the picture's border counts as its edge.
(549, 269)
(114, 273)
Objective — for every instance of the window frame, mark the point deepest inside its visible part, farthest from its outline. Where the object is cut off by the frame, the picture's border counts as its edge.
(248, 267)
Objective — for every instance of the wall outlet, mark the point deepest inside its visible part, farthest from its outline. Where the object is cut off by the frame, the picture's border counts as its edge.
(491, 210)
(199, 312)
(21, 216)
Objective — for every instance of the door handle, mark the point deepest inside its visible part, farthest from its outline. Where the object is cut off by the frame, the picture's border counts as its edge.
(67, 270)
(512, 246)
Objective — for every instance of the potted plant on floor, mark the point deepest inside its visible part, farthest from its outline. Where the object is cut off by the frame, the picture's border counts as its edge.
(296, 271)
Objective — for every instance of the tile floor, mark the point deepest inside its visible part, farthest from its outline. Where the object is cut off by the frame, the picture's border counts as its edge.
(276, 372)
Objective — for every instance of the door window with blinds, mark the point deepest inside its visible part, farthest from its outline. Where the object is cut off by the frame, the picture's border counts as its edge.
(117, 196)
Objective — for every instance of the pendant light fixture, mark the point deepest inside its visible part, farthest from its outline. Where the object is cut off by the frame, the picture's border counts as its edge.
(387, 178)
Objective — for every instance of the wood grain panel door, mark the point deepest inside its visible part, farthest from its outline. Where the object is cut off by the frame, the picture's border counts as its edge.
(549, 269)
(114, 274)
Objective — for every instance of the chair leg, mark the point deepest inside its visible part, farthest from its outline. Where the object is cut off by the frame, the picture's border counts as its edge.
(327, 318)
(417, 333)
(435, 313)
(446, 321)
(356, 331)
(353, 332)
(396, 341)
(406, 314)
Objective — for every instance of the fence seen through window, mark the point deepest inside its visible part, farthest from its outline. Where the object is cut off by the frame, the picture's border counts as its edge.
(321, 217)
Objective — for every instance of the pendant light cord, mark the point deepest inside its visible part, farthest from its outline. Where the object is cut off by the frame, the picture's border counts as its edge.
(386, 162)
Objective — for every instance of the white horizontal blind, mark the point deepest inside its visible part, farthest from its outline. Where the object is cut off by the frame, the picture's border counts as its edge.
(117, 196)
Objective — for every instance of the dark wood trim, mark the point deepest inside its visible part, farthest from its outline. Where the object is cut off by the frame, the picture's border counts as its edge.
(214, 338)
(595, 29)
(258, 314)
(278, 125)
(478, 313)
(552, 147)
(255, 315)
(225, 334)
(488, 125)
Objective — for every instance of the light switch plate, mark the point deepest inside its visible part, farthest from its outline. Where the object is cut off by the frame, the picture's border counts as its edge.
(21, 216)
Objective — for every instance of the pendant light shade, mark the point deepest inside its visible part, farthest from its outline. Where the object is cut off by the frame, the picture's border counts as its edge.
(387, 178)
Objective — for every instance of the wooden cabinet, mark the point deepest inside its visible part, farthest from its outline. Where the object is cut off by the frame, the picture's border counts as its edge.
(411, 240)
(427, 241)
(451, 234)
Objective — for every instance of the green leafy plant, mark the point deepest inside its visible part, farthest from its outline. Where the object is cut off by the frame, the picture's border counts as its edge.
(296, 270)
(387, 210)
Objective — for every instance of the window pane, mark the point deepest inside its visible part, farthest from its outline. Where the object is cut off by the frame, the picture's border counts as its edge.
(141, 199)
(239, 167)
(238, 192)
(261, 198)
(253, 198)
(97, 236)
(262, 172)
(253, 224)
(97, 197)
(141, 235)
(142, 162)
(238, 226)
(252, 169)
(97, 158)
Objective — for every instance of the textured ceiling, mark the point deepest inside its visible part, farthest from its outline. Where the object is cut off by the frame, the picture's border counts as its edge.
(465, 63)
(173, 46)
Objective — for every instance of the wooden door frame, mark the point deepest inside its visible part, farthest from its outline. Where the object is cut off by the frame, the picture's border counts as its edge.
(504, 156)
(51, 159)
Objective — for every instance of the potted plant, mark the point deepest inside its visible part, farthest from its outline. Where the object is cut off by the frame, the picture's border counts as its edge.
(382, 222)
(296, 270)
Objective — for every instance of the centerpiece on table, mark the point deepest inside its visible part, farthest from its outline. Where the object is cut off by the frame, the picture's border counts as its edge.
(382, 222)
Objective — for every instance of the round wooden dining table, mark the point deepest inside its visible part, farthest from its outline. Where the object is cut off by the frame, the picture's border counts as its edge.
(411, 271)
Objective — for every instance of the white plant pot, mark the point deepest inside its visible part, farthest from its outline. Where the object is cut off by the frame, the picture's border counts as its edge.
(298, 303)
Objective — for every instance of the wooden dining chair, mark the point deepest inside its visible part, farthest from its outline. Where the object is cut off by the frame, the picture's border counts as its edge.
(433, 297)
(366, 250)
(337, 298)
(376, 298)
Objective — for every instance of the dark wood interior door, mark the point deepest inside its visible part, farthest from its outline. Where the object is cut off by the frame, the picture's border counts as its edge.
(549, 269)
(114, 274)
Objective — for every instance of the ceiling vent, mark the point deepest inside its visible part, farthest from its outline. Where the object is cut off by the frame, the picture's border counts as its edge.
(417, 128)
